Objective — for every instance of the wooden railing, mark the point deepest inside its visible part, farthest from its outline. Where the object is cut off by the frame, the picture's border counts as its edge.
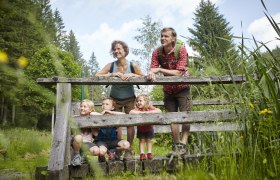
(60, 152)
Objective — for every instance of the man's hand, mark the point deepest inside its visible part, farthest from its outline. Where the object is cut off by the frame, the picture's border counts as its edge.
(152, 74)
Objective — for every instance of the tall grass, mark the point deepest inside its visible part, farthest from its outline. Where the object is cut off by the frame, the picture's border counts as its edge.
(26, 150)
(253, 154)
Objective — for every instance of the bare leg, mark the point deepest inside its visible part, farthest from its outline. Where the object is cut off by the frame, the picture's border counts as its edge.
(77, 143)
(185, 133)
(102, 150)
(149, 145)
(142, 145)
(130, 135)
(175, 129)
(123, 145)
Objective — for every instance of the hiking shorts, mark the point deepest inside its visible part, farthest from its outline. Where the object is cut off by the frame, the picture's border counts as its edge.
(181, 101)
(128, 104)
(108, 144)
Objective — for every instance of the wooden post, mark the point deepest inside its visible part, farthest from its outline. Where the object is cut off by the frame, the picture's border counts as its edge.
(52, 119)
(59, 159)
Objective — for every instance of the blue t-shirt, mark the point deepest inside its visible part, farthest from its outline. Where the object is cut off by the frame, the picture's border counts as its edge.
(107, 134)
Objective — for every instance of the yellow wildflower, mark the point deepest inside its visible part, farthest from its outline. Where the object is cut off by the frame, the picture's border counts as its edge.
(269, 112)
(265, 111)
(3, 57)
(22, 62)
(251, 106)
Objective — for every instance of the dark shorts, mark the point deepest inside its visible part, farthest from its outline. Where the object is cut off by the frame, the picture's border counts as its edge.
(128, 104)
(108, 144)
(143, 135)
(84, 145)
(181, 101)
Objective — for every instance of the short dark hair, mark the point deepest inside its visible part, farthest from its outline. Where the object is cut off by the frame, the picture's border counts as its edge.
(174, 34)
(124, 45)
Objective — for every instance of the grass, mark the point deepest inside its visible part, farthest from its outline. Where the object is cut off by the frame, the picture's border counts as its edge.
(26, 150)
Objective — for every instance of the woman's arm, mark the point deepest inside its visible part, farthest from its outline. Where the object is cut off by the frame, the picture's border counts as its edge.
(105, 71)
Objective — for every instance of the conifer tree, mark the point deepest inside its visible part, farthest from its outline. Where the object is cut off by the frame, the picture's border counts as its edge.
(60, 32)
(72, 45)
(211, 36)
(94, 90)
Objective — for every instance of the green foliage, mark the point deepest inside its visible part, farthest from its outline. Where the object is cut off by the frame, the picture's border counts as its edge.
(71, 45)
(149, 35)
(26, 150)
(211, 37)
(157, 93)
(53, 62)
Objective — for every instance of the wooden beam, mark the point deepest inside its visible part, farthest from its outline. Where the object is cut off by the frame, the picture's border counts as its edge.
(57, 161)
(227, 79)
(202, 127)
(156, 119)
(195, 102)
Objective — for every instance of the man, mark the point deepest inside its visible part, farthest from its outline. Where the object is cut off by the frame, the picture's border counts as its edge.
(166, 61)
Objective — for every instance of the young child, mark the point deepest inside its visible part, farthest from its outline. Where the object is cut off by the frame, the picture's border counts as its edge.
(86, 134)
(144, 133)
(109, 137)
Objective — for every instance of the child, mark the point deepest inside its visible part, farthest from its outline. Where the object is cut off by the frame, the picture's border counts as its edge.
(144, 133)
(109, 137)
(86, 134)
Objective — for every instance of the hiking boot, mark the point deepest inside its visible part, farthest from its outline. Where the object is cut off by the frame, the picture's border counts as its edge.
(142, 156)
(118, 155)
(127, 155)
(111, 155)
(101, 158)
(149, 156)
(178, 150)
(77, 160)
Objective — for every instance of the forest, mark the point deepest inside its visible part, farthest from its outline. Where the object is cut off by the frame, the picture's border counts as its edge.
(34, 44)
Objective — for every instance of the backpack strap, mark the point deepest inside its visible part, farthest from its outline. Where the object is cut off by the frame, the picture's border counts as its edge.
(111, 70)
(112, 66)
(176, 53)
(133, 71)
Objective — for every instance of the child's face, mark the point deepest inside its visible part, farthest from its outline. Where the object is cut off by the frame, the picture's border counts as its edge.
(140, 102)
(107, 105)
(84, 109)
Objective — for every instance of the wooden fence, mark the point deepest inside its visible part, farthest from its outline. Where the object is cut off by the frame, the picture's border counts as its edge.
(58, 166)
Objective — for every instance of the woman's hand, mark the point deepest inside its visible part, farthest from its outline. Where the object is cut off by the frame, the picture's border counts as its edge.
(124, 76)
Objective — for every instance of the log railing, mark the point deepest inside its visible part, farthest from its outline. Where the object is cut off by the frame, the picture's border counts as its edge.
(60, 152)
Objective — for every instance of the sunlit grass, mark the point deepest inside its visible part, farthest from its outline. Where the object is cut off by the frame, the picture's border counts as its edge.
(26, 150)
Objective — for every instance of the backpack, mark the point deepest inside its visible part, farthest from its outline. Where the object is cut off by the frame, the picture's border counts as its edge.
(178, 44)
(131, 69)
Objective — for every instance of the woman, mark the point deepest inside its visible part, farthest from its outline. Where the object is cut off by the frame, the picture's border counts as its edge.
(123, 95)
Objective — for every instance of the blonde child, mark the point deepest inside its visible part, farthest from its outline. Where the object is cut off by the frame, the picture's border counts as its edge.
(109, 137)
(144, 133)
(86, 135)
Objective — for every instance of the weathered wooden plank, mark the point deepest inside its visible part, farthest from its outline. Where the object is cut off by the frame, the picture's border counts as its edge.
(115, 167)
(58, 152)
(204, 127)
(226, 79)
(156, 119)
(79, 171)
(195, 102)
(134, 166)
(155, 165)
